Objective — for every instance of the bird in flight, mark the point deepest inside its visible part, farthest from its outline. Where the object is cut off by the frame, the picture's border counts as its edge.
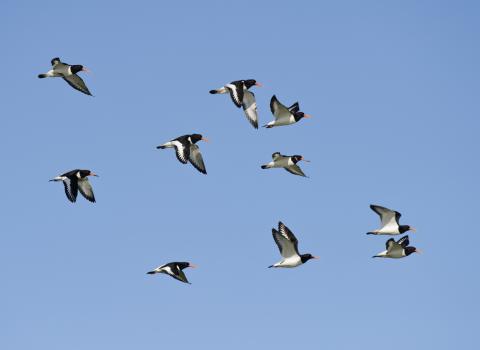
(389, 221)
(242, 97)
(68, 73)
(288, 245)
(398, 249)
(77, 180)
(187, 150)
(284, 115)
(174, 269)
(289, 163)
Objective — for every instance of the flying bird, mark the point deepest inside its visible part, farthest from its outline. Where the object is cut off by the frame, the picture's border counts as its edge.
(289, 163)
(77, 180)
(187, 150)
(398, 249)
(284, 115)
(242, 97)
(288, 245)
(68, 73)
(174, 269)
(390, 222)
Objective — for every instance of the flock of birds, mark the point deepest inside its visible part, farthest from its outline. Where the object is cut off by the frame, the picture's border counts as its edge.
(187, 150)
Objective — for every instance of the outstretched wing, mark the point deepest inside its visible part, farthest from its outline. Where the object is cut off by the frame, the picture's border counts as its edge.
(286, 247)
(236, 92)
(404, 241)
(294, 108)
(250, 108)
(279, 110)
(181, 151)
(71, 189)
(276, 155)
(285, 232)
(86, 189)
(178, 274)
(295, 169)
(77, 83)
(196, 158)
(388, 217)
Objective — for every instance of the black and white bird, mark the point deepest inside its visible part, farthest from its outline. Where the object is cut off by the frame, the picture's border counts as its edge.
(288, 245)
(242, 97)
(390, 222)
(174, 269)
(187, 150)
(77, 180)
(397, 250)
(284, 115)
(68, 73)
(289, 163)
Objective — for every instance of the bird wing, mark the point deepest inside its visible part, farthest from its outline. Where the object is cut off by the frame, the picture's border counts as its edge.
(250, 107)
(196, 158)
(389, 218)
(393, 246)
(71, 189)
(295, 169)
(294, 108)
(404, 241)
(177, 273)
(77, 83)
(389, 243)
(181, 151)
(86, 189)
(279, 111)
(276, 155)
(236, 92)
(285, 232)
(286, 247)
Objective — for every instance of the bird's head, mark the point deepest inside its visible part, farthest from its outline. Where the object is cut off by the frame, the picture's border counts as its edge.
(405, 228)
(296, 158)
(85, 173)
(197, 137)
(79, 68)
(410, 250)
(306, 257)
(300, 115)
(250, 82)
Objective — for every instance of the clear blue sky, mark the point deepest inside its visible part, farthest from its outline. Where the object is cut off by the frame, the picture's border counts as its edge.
(393, 88)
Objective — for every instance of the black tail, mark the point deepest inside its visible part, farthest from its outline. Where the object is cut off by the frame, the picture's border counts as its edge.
(213, 92)
(41, 76)
(264, 167)
(161, 147)
(270, 266)
(370, 233)
(150, 272)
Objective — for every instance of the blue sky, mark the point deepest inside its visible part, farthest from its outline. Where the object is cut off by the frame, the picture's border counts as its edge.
(393, 88)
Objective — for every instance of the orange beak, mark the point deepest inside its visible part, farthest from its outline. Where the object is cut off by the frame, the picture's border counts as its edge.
(258, 84)
(315, 257)
(305, 115)
(192, 266)
(205, 139)
(86, 70)
(413, 229)
(305, 160)
(93, 174)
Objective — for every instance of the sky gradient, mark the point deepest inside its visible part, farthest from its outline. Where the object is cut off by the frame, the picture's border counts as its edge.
(393, 91)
